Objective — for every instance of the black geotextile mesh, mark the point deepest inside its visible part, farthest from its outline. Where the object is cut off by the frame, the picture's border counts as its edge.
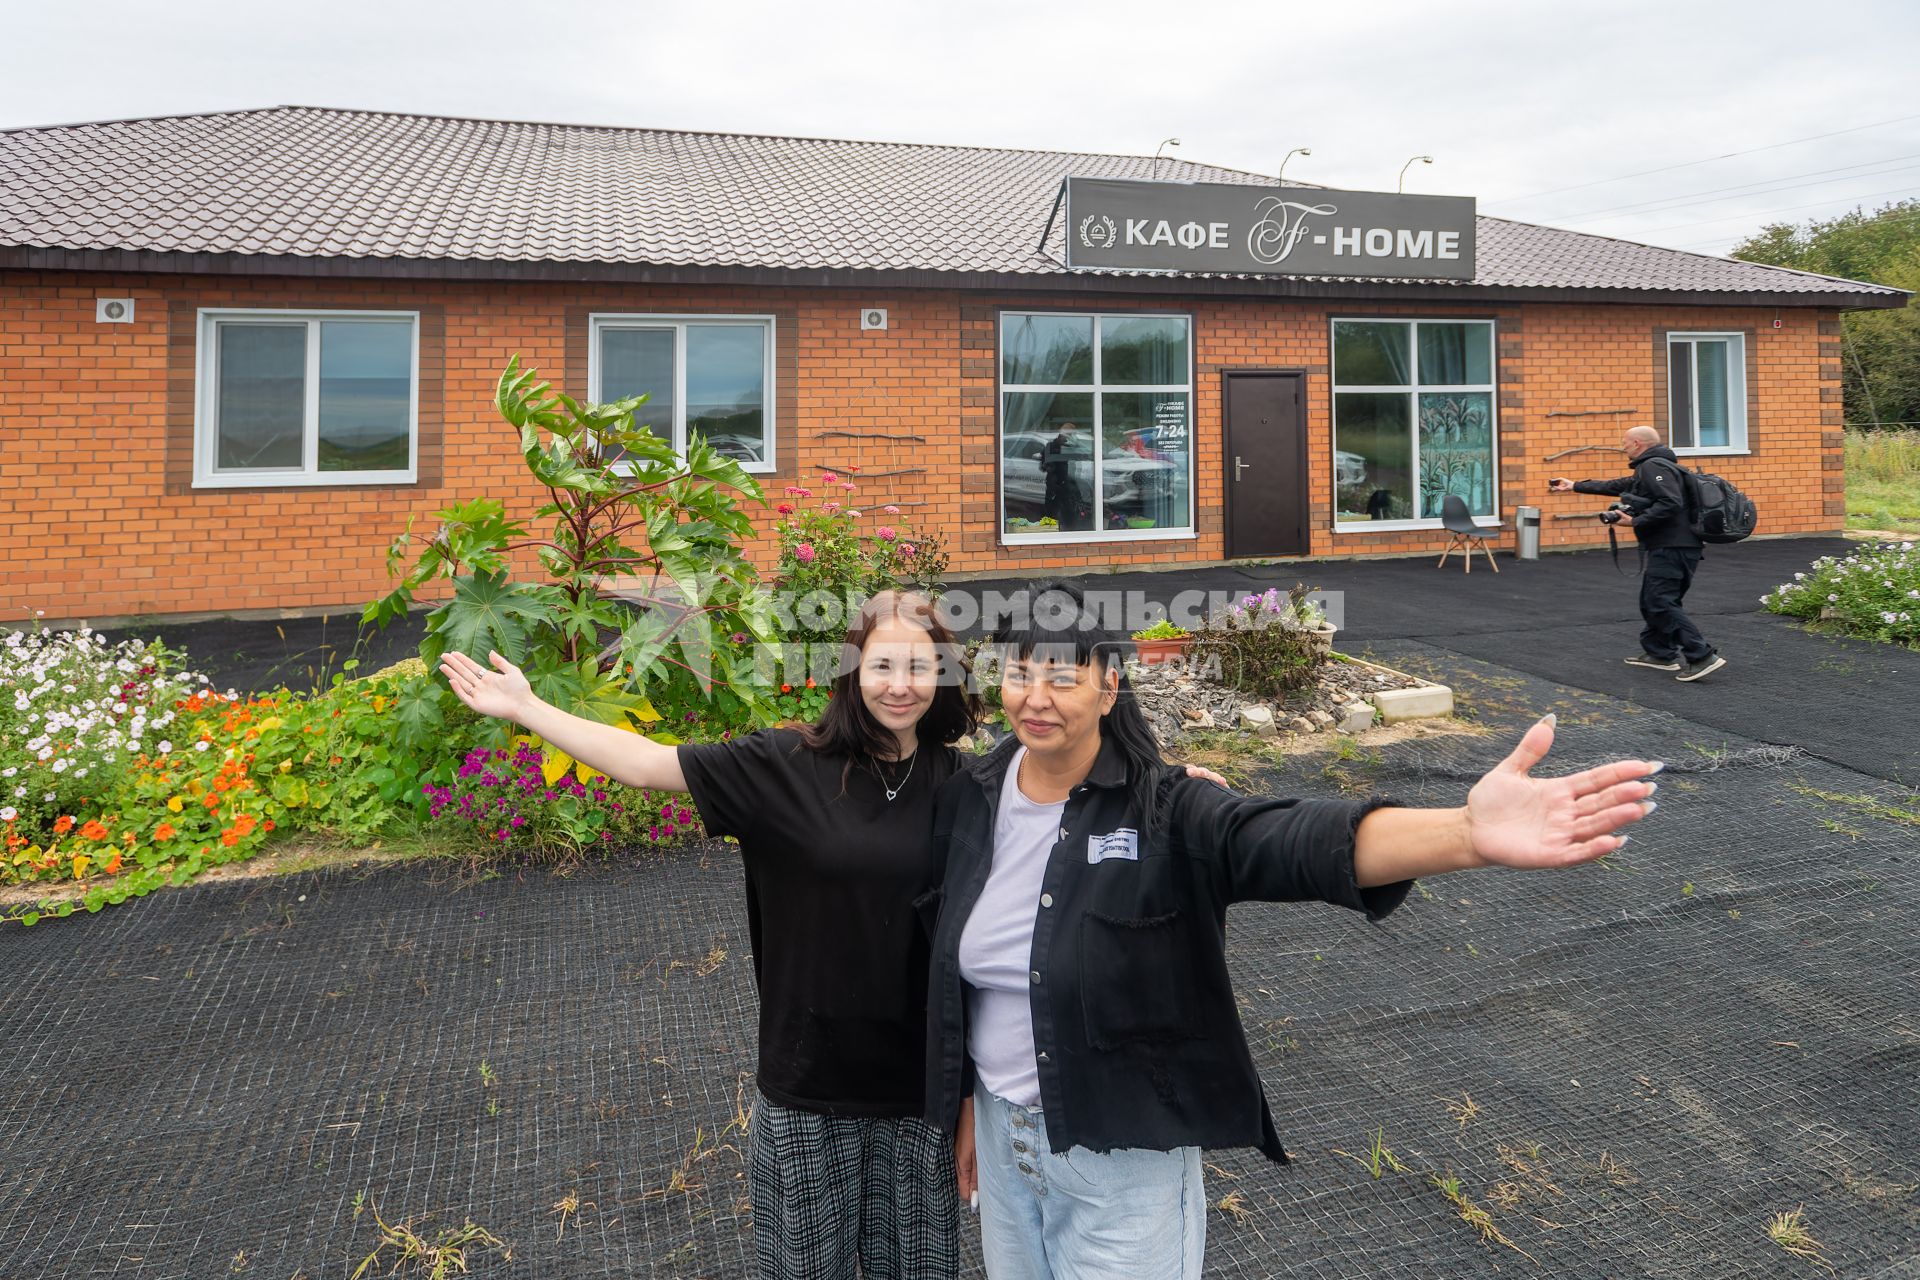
(1628, 1068)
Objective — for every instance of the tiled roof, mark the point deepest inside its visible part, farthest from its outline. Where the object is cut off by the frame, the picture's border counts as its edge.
(328, 184)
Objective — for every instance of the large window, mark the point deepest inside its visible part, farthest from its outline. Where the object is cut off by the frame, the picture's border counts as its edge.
(1096, 426)
(300, 398)
(1707, 392)
(707, 374)
(1413, 421)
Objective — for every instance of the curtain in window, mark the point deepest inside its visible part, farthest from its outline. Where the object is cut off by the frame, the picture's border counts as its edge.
(1710, 364)
(262, 408)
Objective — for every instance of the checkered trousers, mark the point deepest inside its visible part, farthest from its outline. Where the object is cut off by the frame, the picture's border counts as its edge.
(830, 1191)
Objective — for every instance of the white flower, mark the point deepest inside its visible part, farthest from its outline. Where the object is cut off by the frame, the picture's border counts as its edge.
(20, 792)
(1832, 599)
(1799, 577)
(9, 771)
(165, 746)
(202, 745)
(60, 765)
(8, 814)
(47, 798)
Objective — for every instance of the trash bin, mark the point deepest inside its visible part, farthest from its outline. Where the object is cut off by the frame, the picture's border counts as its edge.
(1527, 541)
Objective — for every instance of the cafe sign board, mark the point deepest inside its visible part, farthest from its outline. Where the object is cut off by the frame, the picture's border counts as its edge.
(1261, 230)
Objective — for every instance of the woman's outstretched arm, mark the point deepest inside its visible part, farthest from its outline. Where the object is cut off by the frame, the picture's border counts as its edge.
(505, 694)
(1510, 820)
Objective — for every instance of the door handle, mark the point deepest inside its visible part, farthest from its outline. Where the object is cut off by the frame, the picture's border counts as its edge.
(1238, 467)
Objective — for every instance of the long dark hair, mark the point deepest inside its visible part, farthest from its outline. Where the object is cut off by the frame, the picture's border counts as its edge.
(1052, 618)
(847, 728)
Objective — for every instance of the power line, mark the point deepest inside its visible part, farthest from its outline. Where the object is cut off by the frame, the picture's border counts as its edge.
(1900, 191)
(1878, 124)
(1745, 188)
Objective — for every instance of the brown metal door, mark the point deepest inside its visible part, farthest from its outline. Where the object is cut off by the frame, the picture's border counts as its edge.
(1266, 464)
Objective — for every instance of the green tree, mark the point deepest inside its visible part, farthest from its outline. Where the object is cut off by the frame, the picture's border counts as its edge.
(649, 596)
(1881, 349)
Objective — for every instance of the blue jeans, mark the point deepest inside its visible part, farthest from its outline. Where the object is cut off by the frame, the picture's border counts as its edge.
(1074, 1215)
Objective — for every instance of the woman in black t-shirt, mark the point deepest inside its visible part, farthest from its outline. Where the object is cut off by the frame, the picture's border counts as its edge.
(835, 824)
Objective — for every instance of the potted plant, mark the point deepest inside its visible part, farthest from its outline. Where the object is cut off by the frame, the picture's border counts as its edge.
(1161, 642)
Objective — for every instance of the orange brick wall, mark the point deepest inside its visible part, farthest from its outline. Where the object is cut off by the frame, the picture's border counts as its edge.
(99, 525)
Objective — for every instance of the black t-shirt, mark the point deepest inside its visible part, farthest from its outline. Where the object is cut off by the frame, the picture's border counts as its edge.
(839, 952)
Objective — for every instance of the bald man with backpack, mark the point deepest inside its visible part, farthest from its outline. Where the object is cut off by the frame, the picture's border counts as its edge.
(1657, 501)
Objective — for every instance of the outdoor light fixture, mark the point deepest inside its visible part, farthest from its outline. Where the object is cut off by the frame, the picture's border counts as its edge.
(1281, 177)
(1408, 165)
(1165, 143)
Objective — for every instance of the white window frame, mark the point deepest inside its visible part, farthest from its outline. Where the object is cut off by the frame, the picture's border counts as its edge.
(206, 420)
(1412, 391)
(1095, 389)
(1736, 393)
(598, 322)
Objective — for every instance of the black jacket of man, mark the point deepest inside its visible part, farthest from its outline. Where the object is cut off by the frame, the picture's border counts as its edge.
(1660, 519)
(1135, 1026)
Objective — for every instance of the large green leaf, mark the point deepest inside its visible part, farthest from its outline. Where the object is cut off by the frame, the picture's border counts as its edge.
(489, 613)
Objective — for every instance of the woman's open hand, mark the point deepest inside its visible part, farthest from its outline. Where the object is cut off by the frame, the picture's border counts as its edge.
(502, 692)
(1515, 820)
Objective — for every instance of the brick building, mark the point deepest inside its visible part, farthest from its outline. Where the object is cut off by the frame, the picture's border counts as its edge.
(239, 350)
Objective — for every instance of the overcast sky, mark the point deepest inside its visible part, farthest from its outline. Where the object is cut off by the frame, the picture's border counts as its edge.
(1511, 98)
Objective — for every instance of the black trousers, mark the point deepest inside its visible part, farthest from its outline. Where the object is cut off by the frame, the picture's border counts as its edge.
(1663, 586)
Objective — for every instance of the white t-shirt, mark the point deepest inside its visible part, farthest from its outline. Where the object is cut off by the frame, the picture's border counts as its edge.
(996, 945)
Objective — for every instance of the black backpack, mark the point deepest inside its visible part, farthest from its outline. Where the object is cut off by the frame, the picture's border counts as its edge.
(1717, 511)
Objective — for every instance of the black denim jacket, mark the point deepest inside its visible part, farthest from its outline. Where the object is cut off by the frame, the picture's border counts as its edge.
(1136, 1032)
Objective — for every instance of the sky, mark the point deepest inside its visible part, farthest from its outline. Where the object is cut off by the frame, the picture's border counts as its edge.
(1687, 123)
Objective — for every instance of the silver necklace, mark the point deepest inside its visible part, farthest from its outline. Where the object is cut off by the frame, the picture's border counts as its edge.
(894, 791)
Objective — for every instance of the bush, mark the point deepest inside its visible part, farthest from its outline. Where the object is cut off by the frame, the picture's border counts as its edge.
(830, 565)
(1873, 591)
(1263, 644)
(507, 797)
(649, 596)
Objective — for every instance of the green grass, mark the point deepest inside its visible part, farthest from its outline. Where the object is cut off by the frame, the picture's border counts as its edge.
(1883, 480)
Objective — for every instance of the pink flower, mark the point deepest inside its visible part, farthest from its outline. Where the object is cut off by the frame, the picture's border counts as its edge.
(785, 508)
(794, 490)
(906, 548)
(852, 512)
(848, 485)
(885, 532)
(829, 506)
(827, 477)
(804, 553)
(890, 509)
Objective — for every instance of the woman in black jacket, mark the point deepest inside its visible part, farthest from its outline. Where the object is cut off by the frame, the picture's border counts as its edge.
(1082, 1028)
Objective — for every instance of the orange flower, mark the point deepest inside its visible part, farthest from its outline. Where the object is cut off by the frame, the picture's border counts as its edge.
(245, 823)
(165, 831)
(229, 838)
(112, 866)
(93, 830)
(62, 825)
(212, 800)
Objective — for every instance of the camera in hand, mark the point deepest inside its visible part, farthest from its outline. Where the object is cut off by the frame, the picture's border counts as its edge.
(1629, 505)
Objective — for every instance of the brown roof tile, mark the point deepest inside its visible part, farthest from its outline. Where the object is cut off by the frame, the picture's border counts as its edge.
(321, 183)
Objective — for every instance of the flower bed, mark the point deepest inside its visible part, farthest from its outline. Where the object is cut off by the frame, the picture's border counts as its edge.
(1873, 591)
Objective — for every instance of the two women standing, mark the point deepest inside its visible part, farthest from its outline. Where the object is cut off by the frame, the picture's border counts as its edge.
(1073, 1017)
